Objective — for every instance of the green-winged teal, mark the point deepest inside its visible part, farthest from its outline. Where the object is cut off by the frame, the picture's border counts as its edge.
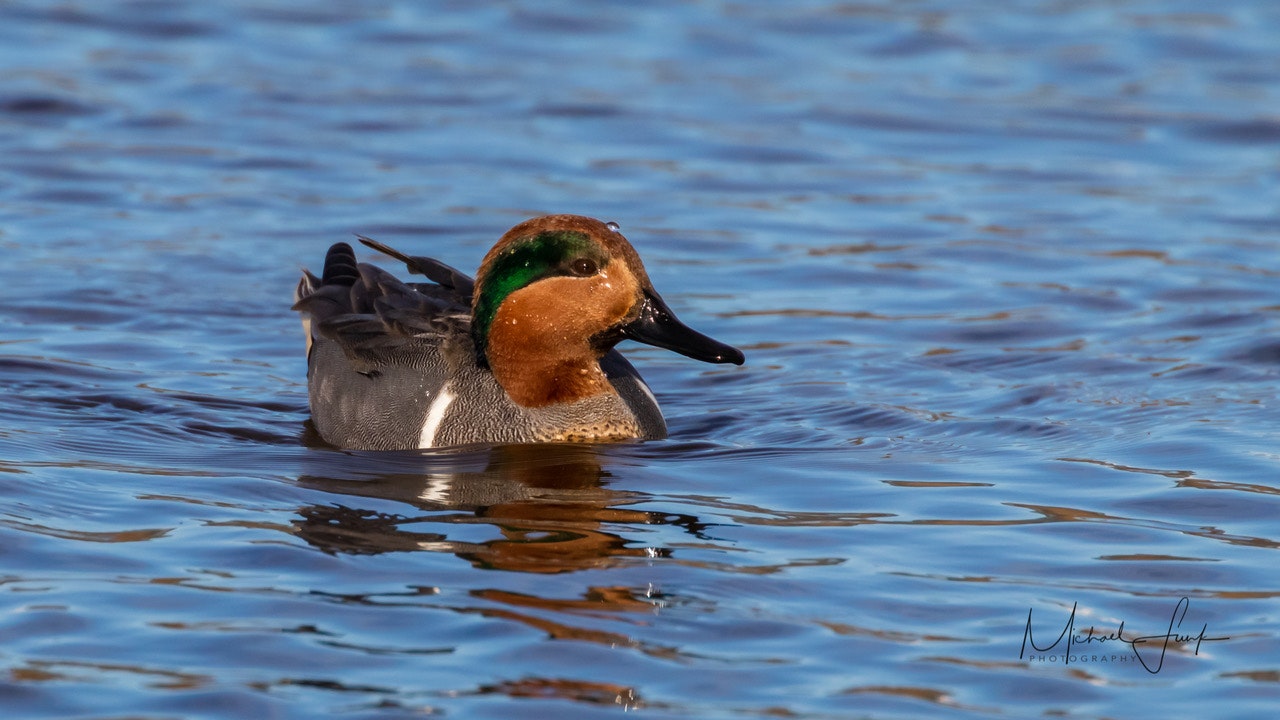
(524, 354)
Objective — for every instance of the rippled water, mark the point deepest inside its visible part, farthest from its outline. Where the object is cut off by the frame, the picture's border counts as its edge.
(1006, 276)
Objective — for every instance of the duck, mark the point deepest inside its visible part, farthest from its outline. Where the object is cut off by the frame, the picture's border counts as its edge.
(524, 353)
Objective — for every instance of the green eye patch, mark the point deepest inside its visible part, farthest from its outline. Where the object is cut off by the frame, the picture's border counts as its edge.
(523, 263)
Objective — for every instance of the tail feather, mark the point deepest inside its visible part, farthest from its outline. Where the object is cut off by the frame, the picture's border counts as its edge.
(434, 270)
(340, 266)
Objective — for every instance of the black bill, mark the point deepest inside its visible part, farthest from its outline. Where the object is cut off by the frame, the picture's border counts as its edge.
(660, 327)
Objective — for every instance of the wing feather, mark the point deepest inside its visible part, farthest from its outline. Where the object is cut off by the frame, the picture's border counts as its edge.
(375, 317)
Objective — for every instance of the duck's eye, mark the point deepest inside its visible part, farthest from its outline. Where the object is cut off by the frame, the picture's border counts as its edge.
(583, 267)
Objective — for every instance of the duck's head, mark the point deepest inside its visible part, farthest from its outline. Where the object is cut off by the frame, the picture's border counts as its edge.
(558, 292)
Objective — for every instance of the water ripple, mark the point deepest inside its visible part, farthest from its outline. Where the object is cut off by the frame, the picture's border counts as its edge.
(1007, 299)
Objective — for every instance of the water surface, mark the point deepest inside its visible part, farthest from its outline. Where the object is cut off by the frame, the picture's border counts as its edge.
(1005, 276)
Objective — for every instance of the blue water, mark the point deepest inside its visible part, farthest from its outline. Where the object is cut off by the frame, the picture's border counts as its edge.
(1005, 273)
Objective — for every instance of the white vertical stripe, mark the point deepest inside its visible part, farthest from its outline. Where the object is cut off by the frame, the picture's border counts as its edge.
(434, 415)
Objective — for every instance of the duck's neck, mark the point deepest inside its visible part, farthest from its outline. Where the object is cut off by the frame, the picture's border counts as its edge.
(541, 381)
(539, 367)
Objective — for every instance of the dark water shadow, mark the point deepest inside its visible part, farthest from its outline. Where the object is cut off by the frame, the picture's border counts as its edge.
(546, 508)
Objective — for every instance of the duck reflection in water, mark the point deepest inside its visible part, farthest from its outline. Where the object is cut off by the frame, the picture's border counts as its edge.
(547, 504)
